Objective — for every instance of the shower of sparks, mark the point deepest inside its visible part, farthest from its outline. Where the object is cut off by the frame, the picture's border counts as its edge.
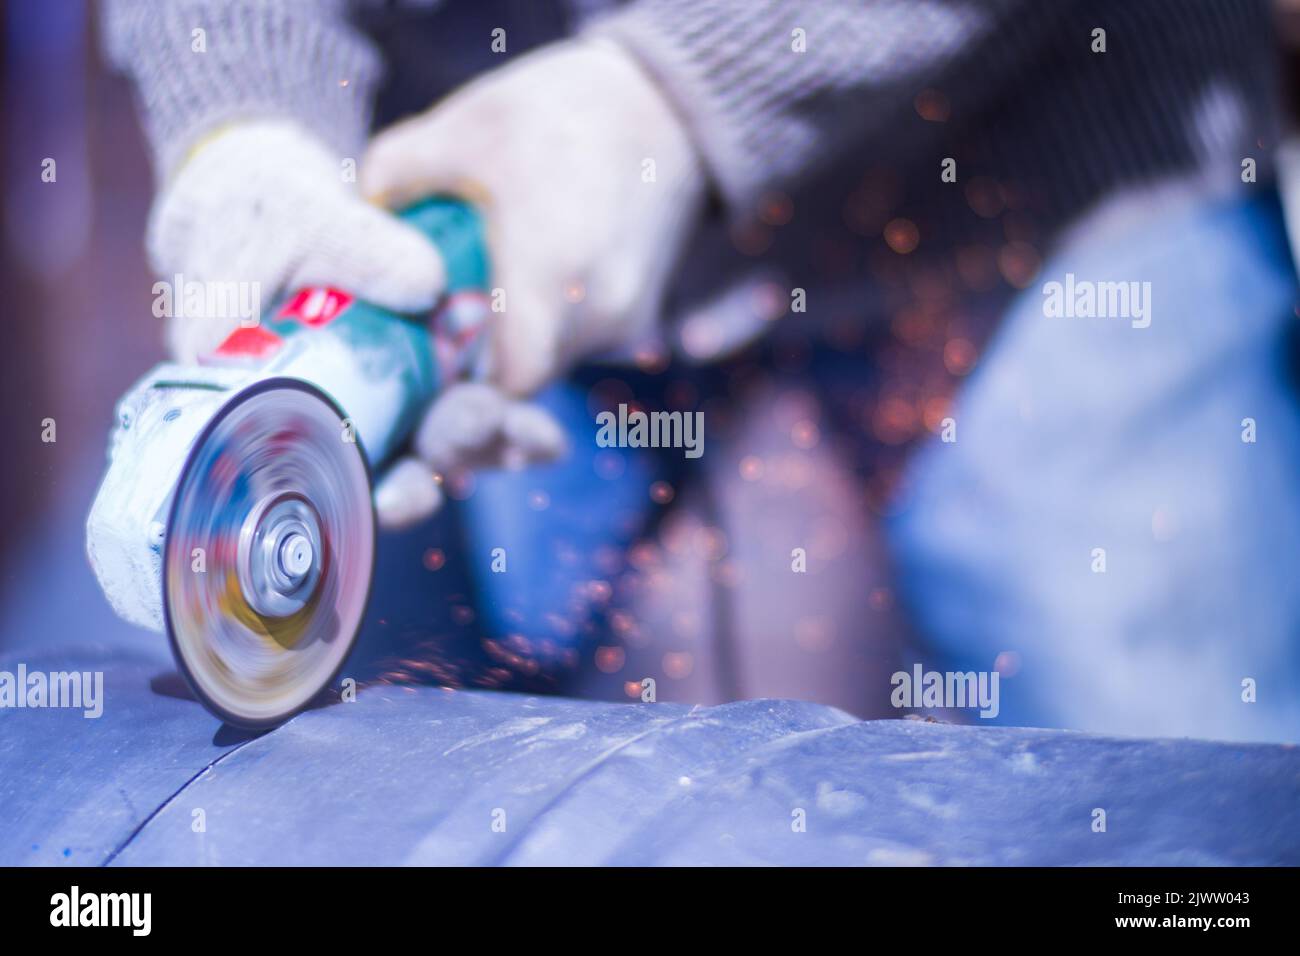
(915, 326)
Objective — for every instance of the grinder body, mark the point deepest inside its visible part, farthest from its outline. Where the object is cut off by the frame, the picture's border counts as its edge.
(236, 515)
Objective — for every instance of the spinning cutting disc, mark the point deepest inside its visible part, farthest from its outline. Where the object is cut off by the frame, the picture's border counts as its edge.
(268, 553)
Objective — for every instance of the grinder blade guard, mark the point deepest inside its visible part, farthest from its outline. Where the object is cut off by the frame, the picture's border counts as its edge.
(236, 511)
(278, 508)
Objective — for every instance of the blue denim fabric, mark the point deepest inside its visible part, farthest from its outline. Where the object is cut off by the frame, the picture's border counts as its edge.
(560, 527)
(1082, 433)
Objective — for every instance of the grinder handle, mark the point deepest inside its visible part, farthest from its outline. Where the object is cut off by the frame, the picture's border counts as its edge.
(389, 366)
(456, 229)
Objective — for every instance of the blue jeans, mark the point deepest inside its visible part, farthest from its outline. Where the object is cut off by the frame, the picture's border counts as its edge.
(508, 586)
(1077, 434)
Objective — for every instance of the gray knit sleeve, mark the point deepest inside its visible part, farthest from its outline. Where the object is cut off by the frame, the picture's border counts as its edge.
(771, 89)
(198, 64)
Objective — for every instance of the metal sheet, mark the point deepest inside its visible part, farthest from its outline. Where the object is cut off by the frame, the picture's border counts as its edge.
(421, 775)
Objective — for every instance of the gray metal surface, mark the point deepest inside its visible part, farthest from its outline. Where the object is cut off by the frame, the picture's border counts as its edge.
(424, 775)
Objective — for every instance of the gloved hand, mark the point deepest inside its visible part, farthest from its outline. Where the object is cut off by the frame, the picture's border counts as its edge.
(266, 202)
(471, 425)
(589, 184)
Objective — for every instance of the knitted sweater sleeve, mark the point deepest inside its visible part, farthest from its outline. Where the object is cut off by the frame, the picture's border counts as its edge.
(773, 88)
(198, 64)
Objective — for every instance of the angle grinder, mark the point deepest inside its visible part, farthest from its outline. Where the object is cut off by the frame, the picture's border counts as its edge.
(236, 513)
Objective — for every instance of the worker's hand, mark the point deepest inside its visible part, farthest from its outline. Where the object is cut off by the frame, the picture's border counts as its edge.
(471, 425)
(265, 202)
(589, 185)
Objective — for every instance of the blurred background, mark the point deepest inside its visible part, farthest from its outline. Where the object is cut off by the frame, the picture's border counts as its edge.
(73, 264)
(676, 579)
(74, 267)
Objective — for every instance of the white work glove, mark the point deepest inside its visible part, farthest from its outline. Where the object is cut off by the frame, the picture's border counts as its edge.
(589, 184)
(266, 202)
(471, 425)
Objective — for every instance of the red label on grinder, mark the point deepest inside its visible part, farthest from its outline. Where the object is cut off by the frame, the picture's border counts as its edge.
(251, 342)
(316, 306)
